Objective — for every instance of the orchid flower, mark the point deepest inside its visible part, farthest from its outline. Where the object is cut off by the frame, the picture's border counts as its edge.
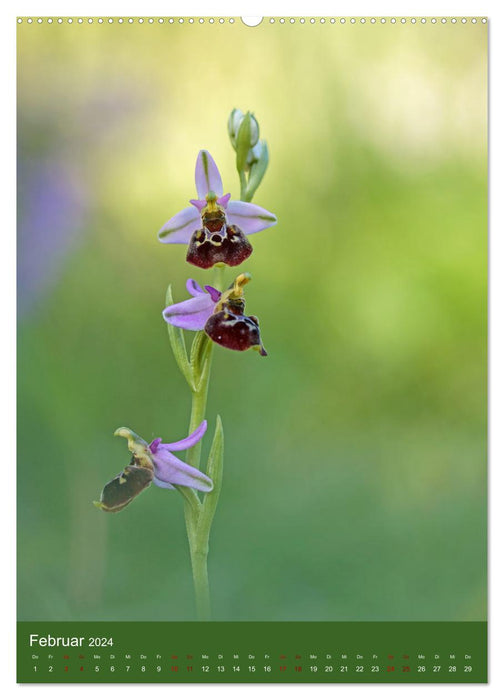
(153, 463)
(220, 314)
(215, 227)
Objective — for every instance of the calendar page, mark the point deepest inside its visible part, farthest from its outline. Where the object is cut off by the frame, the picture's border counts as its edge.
(252, 349)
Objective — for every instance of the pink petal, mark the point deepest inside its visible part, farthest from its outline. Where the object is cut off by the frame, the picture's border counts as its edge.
(162, 484)
(191, 314)
(169, 469)
(207, 176)
(193, 288)
(198, 203)
(155, 444)
(223, 201)
(214, 293)
(187, 442)
(180, 227)
(249, 217)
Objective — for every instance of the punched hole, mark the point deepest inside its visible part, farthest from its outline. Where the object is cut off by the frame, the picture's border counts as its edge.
(251, 21)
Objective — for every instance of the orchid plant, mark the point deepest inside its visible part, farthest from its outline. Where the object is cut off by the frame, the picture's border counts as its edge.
(215, 230)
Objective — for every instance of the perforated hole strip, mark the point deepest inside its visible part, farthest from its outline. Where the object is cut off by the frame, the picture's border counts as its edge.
(219, 21)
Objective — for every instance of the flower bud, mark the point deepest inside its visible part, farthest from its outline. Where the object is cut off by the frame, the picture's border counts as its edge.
(234, 121)
(258, 165)
(247, 136)
(254, 155)
(254, 131)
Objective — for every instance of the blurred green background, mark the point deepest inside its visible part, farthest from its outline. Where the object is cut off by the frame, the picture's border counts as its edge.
(355, 478)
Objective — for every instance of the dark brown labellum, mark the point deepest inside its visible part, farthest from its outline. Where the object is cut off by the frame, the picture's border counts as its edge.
(119, 492)
(218, 243)
(234, 331)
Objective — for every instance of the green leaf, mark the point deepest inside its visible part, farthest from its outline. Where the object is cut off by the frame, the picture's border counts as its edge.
(177, 342)
(198, 348)
(214, 470)
(201, 352)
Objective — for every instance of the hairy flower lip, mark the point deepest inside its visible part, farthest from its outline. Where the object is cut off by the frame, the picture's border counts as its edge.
(250, 218)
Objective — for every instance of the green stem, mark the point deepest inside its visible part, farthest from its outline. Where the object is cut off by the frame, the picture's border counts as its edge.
(198, 518)
(198, 408)
(243, 187)
(192, 505)
(218, 280)
(192, 509)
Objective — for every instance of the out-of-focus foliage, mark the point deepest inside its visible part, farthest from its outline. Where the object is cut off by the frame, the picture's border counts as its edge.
(354, 485)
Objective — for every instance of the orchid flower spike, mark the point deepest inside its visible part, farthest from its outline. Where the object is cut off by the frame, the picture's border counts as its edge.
(152, 463)
(215, 227)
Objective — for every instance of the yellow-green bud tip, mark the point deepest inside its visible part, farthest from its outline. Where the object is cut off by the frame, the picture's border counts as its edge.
(126, 433)
(136, 444)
